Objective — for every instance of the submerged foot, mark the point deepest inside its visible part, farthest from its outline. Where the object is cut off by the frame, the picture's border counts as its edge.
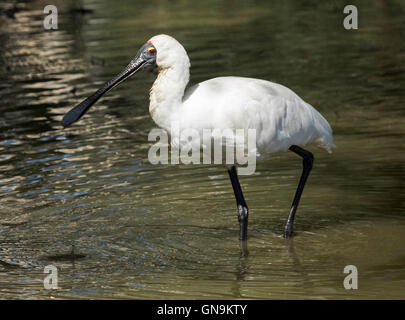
(288, 231)
(243, 215)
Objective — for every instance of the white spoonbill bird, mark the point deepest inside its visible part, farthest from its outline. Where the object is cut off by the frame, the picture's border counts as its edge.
(282, 120)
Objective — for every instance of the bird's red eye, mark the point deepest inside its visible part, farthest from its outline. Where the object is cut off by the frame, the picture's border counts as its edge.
(152, 50)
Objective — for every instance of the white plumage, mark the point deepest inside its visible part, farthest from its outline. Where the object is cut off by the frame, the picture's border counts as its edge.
(281, 118)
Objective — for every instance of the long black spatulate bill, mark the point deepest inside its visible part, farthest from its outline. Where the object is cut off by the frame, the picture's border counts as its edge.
(77, 112)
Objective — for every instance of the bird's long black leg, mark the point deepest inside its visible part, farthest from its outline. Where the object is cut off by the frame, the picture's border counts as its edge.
(308, 160)
(243, 211)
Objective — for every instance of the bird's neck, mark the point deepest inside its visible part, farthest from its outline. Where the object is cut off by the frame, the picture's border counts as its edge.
(167, 93)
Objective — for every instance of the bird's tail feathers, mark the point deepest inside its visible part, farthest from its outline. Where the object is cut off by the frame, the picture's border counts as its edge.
(325, 137)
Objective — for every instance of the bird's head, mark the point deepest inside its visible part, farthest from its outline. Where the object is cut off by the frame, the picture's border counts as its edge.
(161, 50)
(170, 53)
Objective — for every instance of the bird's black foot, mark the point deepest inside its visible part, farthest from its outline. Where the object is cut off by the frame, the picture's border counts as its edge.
(288, 232)
(243, 214)
(243, 211)
(289, 226)
(308, 160)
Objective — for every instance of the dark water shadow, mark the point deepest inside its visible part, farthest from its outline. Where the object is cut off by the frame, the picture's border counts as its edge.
(71, 257)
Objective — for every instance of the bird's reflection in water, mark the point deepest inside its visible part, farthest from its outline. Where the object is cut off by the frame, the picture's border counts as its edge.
(289, 245)
(296, 263)
(65, 257)
(243, 248)
(241, 269)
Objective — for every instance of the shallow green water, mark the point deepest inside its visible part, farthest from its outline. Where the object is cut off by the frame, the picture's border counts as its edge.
(171, 231)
